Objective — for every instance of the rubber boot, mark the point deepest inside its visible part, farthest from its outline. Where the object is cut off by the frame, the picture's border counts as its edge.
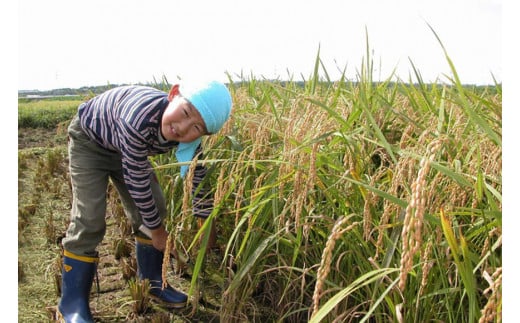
(149, 266)
(77, 277)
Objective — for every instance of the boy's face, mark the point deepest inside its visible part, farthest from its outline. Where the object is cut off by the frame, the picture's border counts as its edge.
(181, 121)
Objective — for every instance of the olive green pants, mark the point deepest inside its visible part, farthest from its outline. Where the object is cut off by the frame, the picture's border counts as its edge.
(91, 168)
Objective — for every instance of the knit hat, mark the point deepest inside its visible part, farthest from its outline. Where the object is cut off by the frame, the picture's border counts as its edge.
(213, 101)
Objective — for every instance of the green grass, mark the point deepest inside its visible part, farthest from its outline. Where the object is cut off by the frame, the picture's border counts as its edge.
(46, 113)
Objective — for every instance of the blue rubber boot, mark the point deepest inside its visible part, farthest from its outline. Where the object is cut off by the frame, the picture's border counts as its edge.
(77, 277)
(149, 266)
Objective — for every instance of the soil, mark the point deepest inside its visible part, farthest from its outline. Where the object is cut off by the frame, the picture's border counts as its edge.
(36, 137)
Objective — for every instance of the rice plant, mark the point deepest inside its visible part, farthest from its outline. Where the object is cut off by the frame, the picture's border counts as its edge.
(354, 200)
(139, 294)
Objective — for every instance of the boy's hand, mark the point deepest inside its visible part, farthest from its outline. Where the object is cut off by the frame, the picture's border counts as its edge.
(159, 238)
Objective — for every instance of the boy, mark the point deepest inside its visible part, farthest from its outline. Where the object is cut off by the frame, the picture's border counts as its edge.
(111, 137)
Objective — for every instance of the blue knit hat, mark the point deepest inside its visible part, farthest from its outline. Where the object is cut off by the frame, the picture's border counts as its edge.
(213, 101)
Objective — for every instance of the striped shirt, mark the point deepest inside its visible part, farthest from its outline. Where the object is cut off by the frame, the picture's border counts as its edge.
(127, 120)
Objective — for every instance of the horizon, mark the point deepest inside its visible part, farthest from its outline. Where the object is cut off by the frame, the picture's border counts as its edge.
(239, 81)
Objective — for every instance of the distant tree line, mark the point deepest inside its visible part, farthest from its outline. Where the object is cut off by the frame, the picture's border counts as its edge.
(89, 91)
(82, 91)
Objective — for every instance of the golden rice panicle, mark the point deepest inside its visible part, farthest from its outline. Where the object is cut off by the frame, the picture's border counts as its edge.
(492, 311)
(188, 187)
(403, 173)
(388, 209)
(261, 144)
(414, 217)
(239, 199)
(287, 156)
(311, 181)
(427, 265)
(237, 169)
(406, 137)
(222, 186)
(166, 259)
(305, 172)
(487, 243)
(255, 133)
(291, 170)
(299, 196)
(371, 200)
(326, 260)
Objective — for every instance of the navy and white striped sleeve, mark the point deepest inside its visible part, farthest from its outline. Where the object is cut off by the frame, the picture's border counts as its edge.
(137, 173)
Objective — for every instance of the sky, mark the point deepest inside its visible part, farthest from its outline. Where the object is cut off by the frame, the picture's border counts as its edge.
(64, 43)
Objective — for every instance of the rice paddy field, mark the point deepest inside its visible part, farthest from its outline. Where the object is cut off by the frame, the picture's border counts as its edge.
(335, 201)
